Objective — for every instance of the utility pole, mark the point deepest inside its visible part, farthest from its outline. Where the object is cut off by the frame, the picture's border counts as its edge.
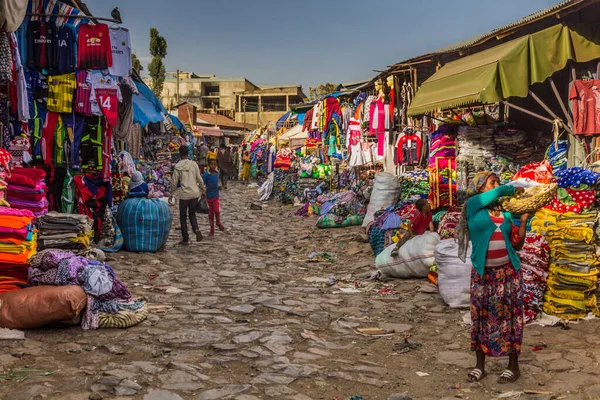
(258, 109)
(244, 102)
(177, 88)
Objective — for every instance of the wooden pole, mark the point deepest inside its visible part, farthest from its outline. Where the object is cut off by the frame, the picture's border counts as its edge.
(527, 112)
(562, 104)
(548, 110)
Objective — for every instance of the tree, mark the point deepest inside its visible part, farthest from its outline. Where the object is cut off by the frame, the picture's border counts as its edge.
(156, 68)
(135, 62)
(321, 90)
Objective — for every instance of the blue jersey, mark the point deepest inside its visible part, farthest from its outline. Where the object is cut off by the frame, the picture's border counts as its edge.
(66, 50)
(212, 184)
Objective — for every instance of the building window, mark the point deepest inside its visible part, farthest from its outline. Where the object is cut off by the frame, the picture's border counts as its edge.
(274, 103)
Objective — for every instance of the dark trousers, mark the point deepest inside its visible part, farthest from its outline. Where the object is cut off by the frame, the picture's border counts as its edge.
(188, 207)
(224, 178)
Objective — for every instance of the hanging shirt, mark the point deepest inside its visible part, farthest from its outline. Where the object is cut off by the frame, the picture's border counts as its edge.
(41, 45)
(354, 134)
(94, 48)
(409, 149)
(40, 88)
(66, 50)
(61, 91)
(83, 93)
(586, 106)
(121, 51)
(99, 80)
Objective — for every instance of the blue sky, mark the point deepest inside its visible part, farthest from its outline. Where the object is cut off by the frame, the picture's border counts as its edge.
(305, 42)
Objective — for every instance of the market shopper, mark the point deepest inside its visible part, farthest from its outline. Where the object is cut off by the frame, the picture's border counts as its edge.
(225, 164)
(496, 282)
(187, 174)
(245, 176)
(422, 223)
(211, 179)
(201, 154)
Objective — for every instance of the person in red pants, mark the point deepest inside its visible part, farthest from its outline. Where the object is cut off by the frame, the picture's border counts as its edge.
(211, 180)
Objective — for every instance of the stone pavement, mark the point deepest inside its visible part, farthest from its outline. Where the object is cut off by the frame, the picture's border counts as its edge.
(246, 316)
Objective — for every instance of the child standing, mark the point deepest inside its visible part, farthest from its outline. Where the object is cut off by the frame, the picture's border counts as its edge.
(211, 180)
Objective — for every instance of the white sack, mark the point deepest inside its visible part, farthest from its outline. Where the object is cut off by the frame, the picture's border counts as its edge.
(414, 258)
(386, 190)
(454, 276)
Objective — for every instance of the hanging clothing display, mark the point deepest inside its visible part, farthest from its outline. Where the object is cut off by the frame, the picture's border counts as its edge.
(585, 95)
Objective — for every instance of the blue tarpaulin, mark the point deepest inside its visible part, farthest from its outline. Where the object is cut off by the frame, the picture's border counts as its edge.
(178, 125)
(145, 106)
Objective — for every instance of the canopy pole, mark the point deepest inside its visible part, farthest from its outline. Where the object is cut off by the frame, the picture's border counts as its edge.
(75, 16)
(548, 110)
(562, 103)
(506, 103)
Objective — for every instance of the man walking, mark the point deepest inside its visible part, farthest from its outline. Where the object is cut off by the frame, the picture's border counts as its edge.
(201, 154)
(187, 173)
(225, 164)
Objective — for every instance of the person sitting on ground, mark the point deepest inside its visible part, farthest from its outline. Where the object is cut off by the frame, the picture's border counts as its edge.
(211, 179)
(137, 187)
(421, 224)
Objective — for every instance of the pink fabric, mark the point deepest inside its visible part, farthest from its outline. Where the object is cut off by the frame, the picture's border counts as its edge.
(15, 212)
(381, 144)
(377, 114)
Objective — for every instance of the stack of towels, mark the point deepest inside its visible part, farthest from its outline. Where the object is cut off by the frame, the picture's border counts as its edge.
(17, 246)
(65, 231)
(27, 190)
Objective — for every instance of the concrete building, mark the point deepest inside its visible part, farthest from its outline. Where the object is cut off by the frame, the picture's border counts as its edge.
(261, 105)
(236, 98)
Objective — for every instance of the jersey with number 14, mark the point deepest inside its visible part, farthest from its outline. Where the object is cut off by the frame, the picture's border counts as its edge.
(108, 102)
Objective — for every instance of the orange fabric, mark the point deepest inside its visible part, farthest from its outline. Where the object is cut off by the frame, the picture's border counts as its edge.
(14, 222)
(17, 258)
(357, 112)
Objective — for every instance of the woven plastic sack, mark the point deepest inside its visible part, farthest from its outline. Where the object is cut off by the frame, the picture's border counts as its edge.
(386, 190)
(145, 224)
(454, 276)
(331, 221)
(38, 306)
(414, 258)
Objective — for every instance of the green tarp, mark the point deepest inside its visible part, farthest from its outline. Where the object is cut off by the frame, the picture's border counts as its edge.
(507, 70)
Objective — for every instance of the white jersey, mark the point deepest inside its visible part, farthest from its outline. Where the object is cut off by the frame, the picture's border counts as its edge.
(121, 52)
(99, 80)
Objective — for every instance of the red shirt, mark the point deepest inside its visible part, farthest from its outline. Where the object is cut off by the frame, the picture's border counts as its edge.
(586, 106)
(94, 48)
(421, 223)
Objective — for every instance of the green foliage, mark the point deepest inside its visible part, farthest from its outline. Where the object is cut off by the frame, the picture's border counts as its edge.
(156, 68)
(321, 90)
(135, 62)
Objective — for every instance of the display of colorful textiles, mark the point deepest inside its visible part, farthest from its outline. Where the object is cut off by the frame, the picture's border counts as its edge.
(572, 281)
(64, 231)
(576, 190)
(18, 243)
(448, 224)
(557, 155)
(442, 168)
(475, 145)
(27, 190)
(414, 185)
(105, 292)
(534, 256)
(577, 178)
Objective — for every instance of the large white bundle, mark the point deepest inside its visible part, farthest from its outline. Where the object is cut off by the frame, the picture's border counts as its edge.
(386, 190)
(414, 258)
(454, 276)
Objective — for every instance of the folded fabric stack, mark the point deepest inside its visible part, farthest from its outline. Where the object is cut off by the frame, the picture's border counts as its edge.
(535, 256)
(27, 190)
(475, 144)
(557, 155)
(414, 185)
(443, 145)
(572, 282)
(576, 191)
(65, 231)
(106, 294)
(18, 243)
(448, 224)
(442, 167)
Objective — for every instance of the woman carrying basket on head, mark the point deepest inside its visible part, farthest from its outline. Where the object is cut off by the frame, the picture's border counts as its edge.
(496, 282)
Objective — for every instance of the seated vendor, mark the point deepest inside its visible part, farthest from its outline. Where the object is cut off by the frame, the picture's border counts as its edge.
(424, 221)
(137, 187)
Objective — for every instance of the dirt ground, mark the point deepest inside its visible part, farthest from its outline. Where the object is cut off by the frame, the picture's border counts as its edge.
(253, 319)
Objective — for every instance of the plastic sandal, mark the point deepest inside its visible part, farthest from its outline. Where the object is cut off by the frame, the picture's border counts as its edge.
(508, 376)
(476, 375)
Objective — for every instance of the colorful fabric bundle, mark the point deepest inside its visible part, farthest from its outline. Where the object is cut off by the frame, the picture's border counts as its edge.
(64, 231)
(448, 224)
(414, 185)
(105, 292)
(442, 168)
(340, 210)
(27, 190)
(572, 281)
(576, 190)
(475, 145)
(18, 243)
(535, 256)
(557, 155)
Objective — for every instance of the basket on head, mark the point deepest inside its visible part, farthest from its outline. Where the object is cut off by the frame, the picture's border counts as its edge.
(531, 200)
